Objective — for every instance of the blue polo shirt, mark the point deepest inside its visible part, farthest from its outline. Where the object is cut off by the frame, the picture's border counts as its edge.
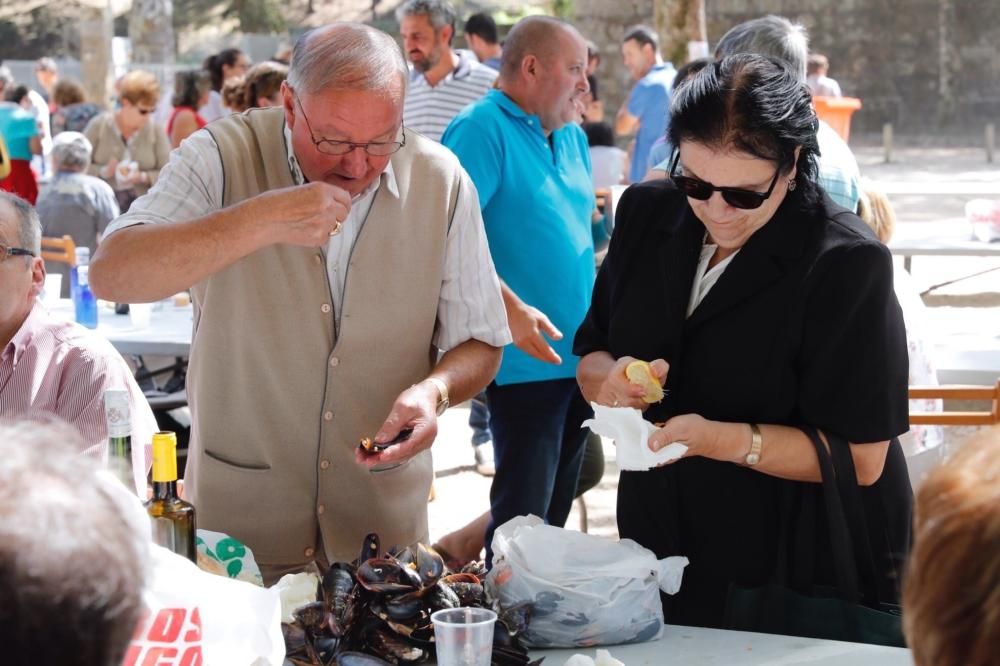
(536, 196)
(650, 103)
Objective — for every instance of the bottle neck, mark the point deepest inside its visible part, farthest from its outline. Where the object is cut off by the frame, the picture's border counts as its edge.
(164, 490)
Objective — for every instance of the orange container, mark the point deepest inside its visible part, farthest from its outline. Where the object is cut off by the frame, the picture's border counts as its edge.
(836, 112)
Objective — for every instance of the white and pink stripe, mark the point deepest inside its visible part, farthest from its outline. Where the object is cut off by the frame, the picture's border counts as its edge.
(58, 367)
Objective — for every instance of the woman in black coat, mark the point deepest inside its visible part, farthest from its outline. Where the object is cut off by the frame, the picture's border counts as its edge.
(764, 307)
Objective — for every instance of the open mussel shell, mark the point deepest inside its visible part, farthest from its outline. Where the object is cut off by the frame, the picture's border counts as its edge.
(369, 445)
(387, 576)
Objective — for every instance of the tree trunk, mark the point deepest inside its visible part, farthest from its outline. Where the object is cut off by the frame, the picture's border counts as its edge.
(151, 30)
(95, 53)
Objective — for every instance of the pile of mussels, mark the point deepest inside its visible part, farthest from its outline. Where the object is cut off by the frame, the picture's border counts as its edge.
(377, 610)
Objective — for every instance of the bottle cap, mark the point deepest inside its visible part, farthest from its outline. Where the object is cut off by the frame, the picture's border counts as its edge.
(164, 456)
(116, 413)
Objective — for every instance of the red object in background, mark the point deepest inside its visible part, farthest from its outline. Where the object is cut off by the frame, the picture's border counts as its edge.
(21, 181)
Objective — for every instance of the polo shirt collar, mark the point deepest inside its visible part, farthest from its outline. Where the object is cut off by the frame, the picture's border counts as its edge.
(387, 177)
(511, 108)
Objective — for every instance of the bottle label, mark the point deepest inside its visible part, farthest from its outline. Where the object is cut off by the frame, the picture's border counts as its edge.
(83, 276)
(116, 413)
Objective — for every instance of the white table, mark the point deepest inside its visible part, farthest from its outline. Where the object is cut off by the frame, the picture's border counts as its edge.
(169, 332)
(693, 646)
(952, 238)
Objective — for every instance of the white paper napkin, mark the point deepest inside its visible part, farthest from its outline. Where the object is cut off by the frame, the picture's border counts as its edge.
(631, 432)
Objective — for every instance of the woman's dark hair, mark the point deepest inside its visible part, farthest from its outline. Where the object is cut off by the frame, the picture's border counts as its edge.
(213, 65)
(189, 86)
(16, 94)
(753, 104)
(599, 134)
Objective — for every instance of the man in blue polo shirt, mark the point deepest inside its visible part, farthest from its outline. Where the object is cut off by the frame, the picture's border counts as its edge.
(530, 163)
(646, 110)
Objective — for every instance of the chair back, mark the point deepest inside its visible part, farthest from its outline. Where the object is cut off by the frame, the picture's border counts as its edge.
(988, 394)
(59, 249)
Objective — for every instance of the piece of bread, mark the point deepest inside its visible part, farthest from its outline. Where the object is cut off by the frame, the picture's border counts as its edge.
(640, 374)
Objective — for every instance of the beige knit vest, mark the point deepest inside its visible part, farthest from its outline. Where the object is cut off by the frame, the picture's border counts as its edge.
(278, 401)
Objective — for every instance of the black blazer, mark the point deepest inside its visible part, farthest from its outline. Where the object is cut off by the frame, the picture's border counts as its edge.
(802, 327)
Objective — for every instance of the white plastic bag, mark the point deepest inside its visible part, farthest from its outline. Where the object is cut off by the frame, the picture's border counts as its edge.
(195, 618)
(586, 590)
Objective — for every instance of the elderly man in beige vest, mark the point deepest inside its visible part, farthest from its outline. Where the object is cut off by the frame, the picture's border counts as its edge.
(331, 256)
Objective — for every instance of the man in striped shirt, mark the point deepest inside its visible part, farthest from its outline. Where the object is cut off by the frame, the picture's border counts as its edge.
(442, 81)
(48, 365)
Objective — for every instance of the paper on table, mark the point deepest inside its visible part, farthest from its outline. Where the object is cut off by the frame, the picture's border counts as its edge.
(603, 658)
(631, 432)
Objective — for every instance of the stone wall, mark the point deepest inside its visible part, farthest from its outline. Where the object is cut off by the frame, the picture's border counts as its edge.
(927, 66)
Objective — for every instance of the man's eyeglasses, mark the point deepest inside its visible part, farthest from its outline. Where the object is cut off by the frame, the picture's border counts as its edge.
(734, 196)
(14, 252)
(331, 147)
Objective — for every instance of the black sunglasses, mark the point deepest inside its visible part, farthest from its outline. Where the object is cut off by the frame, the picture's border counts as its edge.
(734, 196)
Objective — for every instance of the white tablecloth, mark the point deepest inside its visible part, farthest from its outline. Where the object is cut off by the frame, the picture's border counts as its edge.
(690, 646)
(169, 332)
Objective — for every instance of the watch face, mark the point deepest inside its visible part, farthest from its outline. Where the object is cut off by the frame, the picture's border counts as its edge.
(753, 458)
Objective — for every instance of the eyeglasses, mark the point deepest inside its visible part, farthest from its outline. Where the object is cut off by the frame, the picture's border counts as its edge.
(331, 147)
(14, 252)
(734, 196)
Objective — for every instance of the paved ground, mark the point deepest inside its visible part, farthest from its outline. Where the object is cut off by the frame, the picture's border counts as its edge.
(924, 185)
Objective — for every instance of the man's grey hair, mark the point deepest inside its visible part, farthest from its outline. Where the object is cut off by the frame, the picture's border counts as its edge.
(46, 64)
(71, 151)
(346, 56)
(439, 12)
(27, 221)
(771, 36)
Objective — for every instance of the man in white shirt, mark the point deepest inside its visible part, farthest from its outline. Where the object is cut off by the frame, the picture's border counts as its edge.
(443, 81)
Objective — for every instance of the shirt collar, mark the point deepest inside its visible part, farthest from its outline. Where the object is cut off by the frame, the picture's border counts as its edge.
(387, 177)
(22, 338)
(511, 108)
(462, 70)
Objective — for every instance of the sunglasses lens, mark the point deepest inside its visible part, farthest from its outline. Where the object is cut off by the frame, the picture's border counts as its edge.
(693, 188)
(742, 199)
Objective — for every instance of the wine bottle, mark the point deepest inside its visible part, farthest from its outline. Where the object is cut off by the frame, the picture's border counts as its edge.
(118, 418)
(173, 519)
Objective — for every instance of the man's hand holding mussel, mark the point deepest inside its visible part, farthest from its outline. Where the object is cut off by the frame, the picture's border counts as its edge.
(409, 429)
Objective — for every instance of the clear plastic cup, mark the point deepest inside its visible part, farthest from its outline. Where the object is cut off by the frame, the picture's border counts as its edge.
(140, 314)
(464, 636)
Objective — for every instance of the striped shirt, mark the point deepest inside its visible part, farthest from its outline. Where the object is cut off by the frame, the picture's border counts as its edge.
(52, 366)
(429, 109)
(470, 305)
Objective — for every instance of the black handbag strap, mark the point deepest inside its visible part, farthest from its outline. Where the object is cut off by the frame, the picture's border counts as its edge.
(853, 561)
(850, 496)
(841, 541)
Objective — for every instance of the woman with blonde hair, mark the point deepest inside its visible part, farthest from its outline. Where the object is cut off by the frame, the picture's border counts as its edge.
(262, 86)
(951, 593)
(129, 148)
